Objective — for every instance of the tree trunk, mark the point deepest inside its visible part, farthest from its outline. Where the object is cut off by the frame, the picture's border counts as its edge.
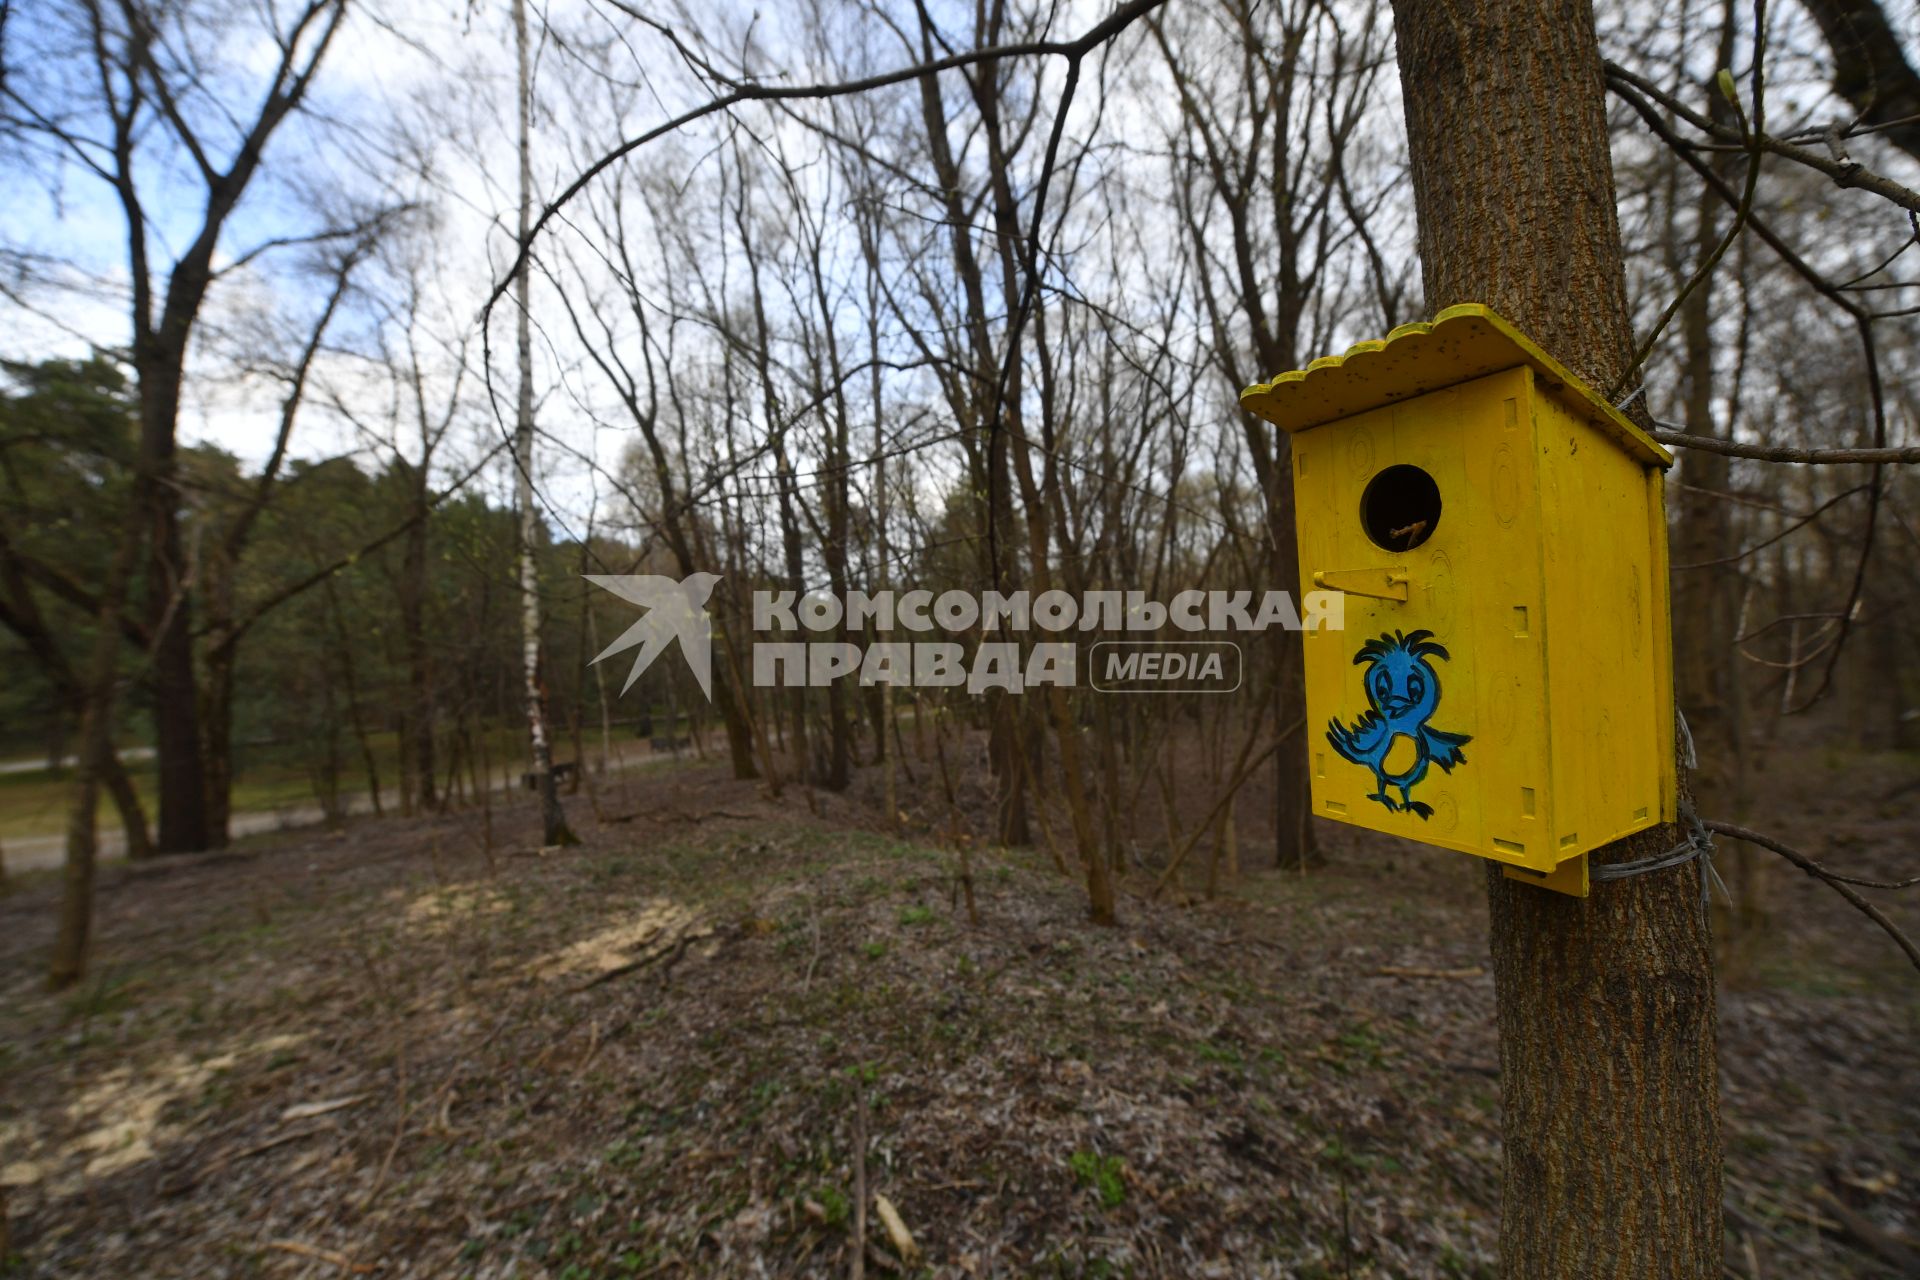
(217, 718)
(883, 563)
(736, 716)
(1294, 843)
(216, 699)
(972, 405)
(133, 819)
(25, 620)
(59, 733)
(184, 826)
(803, 752)
(834, 497)
(1100, 891)
(784, 480)
(553, 819)
(75, 929)
(358, 721)
(180, 776)
(98, 683)
(1704, 681)
(417, 724)
(1707, 592)
(1610, 1105)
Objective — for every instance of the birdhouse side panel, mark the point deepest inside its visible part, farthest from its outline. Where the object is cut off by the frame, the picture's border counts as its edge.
(1609, 674)
(1663, 707)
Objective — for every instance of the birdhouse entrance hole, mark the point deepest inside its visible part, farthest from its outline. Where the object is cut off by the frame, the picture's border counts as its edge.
(1400, 508)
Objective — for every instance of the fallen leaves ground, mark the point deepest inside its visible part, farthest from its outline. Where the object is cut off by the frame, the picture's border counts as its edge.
(655, 1055)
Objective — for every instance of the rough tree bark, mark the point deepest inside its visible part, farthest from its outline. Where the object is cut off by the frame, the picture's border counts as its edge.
(1610, 1105)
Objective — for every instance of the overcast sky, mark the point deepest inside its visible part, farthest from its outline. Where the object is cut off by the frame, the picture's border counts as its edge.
(428, 64)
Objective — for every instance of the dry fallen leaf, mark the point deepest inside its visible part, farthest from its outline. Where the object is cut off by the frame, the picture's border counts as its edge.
(896, 1229)
(308, 1110)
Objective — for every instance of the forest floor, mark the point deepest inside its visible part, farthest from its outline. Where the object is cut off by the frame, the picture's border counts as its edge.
(680, 1048)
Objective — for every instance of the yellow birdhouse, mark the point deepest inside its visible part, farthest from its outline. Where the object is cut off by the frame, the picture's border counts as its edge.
(1503, 685)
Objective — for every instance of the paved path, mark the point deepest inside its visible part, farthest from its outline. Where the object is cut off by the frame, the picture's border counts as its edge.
(29, 853)
(39, 763)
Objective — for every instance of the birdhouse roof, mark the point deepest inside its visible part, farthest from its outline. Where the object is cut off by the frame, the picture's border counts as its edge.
(1462, 343)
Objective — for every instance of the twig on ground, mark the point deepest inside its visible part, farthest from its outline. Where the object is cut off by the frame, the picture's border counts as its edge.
(402, 1106)
(261, 1148)
(1862, 1231)
(671, 953)
(813, 956)
(324, 1255)
(1421, 971)
(859, 1268)
(310, 1110)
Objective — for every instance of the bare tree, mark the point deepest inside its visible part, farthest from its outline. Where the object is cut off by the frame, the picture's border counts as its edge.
(1270, 100)
(145, 105)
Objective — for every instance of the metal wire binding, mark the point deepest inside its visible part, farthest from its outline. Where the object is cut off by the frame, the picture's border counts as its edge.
(1698, 844)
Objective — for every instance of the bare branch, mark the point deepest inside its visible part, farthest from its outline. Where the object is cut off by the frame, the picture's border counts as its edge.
(1840, 884)
(1678, 439)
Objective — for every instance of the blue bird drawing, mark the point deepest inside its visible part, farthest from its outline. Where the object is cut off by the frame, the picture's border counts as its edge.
(1405, 691)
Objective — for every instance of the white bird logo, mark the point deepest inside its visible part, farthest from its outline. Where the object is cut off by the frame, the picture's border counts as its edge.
(673, 609)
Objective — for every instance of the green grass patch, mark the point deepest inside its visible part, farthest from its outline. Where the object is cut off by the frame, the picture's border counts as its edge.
(1103, 1174)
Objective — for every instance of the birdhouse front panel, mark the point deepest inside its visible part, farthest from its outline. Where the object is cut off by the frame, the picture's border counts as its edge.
(1503, 684)
(1428, 711)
